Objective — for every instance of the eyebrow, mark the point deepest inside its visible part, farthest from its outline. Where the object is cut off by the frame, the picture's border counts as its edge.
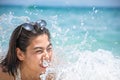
(42, 47)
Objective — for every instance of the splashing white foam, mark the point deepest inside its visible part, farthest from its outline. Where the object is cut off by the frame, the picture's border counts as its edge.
(87, 65)
(98, 65)
(45, 63)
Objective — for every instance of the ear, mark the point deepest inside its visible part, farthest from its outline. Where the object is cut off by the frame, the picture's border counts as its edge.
(20, 54)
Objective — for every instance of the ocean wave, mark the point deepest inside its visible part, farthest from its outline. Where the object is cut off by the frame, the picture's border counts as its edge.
(71, 63)
(98, 65)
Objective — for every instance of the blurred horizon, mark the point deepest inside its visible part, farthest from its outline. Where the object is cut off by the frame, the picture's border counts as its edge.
(62, 3)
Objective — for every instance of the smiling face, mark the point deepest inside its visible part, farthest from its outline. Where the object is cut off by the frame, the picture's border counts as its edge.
(40, 49)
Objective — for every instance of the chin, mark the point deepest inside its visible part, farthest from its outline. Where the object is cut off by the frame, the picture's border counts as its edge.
(43, 69)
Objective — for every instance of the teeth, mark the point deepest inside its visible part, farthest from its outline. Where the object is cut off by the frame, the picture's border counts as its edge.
(45, 63)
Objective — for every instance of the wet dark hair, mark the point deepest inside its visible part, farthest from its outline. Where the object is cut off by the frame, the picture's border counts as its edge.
(20, 38)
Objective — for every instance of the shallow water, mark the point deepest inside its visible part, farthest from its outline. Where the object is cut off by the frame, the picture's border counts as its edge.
(86, 41)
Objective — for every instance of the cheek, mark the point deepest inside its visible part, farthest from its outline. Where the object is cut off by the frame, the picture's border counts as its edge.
(50, 56)
(38, 58)
(34, 59)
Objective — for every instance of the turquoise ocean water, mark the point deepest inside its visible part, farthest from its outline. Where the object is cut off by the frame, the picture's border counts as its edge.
(86, 40)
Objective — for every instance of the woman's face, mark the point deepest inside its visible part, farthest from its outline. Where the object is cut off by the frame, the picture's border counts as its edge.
(39, 49)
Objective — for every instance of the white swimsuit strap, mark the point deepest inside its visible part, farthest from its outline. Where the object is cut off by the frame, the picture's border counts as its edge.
(18, 76)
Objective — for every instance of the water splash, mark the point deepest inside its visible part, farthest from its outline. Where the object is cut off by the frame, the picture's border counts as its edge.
(98, 65)
(71, 63)
(45, 63)
(7, 24)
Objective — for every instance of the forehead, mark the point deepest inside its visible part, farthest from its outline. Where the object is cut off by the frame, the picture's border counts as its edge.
(39, 41)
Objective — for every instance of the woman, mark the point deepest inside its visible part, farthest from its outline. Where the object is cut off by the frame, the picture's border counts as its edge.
(29, 53)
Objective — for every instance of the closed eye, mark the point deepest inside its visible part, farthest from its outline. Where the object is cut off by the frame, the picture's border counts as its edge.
(39, 51)
(49, 49)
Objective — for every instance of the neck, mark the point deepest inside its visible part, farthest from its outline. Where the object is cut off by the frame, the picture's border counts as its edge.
(27, 74)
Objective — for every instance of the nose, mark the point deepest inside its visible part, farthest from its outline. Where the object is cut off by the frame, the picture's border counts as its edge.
(45, 56)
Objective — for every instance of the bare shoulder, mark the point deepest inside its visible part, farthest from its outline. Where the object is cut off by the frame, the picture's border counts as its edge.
(4, 75)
